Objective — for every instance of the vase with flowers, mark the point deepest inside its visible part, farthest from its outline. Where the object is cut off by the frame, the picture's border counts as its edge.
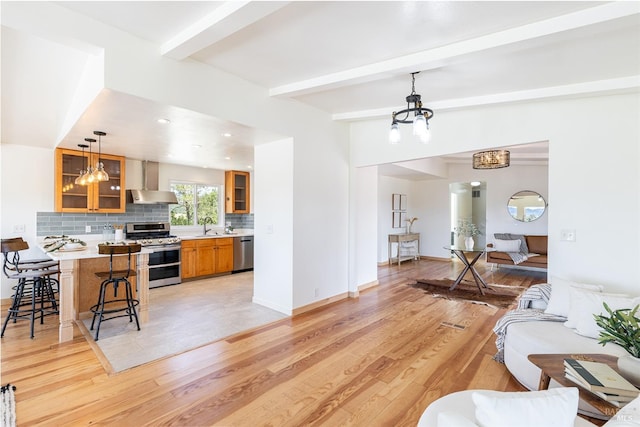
(410, 222)
(622, 327)
(468, 230)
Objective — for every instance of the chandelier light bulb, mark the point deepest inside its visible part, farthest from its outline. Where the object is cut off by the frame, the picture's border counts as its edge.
(394, 134)
(419, 125)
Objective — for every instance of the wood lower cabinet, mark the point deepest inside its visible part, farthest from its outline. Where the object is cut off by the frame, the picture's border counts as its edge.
(188, 259)
(206, 257)
(224, 255)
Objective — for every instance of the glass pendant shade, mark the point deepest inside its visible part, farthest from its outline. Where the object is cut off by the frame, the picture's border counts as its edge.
(394, 134)
(81, 179)
(419, 126)
(89, 176)
(99, 174)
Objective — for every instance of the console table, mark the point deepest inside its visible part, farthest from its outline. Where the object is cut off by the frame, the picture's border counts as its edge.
(399, 239)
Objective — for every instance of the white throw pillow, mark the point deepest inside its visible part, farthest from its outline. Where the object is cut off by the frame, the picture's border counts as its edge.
(559, 301)
(550, 408)
(585, 304)
(453, 419)
(507, 245)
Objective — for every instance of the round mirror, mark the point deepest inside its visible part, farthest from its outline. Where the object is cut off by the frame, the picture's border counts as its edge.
(526, 206)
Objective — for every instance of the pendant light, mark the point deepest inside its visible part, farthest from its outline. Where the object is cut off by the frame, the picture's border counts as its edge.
(89, 178)
(419, 120)
(99, 173)
(81, 180)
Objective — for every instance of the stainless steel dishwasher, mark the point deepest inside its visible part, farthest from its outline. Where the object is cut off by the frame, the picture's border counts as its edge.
(242, 253)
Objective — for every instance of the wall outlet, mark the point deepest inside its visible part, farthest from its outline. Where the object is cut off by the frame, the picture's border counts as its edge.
(568, 235)
(19, 228)
(87, 229)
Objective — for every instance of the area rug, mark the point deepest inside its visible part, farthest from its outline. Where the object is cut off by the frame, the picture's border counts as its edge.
(217, 308)
(501, 296)
(8, 405)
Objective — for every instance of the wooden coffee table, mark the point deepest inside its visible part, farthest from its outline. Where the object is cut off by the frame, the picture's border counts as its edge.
(552, 367)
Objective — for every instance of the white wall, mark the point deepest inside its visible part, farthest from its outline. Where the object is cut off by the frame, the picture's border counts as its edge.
(594, 184)
(364, 190)
(26, 187)
(273, 245)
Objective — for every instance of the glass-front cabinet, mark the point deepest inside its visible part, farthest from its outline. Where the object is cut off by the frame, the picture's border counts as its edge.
(236, 187)
(105, 196)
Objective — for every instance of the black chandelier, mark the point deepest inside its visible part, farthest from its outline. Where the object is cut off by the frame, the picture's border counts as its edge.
(420, 117)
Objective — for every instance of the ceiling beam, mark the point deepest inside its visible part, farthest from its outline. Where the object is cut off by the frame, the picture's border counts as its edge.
(437, 57)
(230, 17)
(602, 87)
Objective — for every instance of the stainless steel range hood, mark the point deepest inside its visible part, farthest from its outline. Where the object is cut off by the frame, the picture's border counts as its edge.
(149, 194)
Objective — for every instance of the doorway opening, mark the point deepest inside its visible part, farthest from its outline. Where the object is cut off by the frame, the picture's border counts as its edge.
(468, 201)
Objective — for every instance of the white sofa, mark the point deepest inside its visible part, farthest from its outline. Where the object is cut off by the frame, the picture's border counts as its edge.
(547, 337)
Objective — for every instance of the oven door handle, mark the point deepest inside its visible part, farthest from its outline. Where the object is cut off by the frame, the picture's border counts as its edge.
(163, 248)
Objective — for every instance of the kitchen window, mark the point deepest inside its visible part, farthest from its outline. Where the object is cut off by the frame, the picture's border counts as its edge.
(195, 203)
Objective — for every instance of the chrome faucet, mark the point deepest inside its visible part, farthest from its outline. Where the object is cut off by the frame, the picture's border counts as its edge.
(204, 225)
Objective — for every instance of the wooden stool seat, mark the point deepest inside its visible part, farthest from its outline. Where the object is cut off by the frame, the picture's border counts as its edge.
(116, 307)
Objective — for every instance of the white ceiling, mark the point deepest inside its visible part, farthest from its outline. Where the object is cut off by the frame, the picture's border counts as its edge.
(350, 59)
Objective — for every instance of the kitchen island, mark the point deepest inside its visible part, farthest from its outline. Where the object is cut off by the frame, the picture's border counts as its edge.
(75, 294)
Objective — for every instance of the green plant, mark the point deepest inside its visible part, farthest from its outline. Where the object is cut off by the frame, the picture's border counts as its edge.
(466, 228)
(620, 327)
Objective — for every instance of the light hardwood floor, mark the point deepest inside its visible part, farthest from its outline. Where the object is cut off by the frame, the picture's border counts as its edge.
(376, 360)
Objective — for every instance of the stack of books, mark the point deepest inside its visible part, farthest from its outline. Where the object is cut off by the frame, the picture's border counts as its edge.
(601, 380)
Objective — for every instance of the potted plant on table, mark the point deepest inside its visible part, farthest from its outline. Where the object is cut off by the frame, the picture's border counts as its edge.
(467, 229)
(410, 222)
(622, 327)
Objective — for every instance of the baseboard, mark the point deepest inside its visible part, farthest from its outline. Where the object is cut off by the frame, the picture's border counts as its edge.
(321, 303)
(425, 257)
(434, 258)
(366, 286)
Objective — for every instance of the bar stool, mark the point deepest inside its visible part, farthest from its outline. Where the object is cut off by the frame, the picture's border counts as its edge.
(115, 278)
(34, 295)
(46, 262)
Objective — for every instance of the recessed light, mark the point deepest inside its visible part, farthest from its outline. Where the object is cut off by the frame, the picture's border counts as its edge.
(226, 134)
(250, 167)
(475, 183)
(227, 158)
(164, 121)
(197, 146)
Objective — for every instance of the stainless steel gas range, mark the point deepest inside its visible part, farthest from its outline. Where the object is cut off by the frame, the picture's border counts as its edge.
(164, 259)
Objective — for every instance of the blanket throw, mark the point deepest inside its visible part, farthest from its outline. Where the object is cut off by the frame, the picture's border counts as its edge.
(516, 257)
(524, 314)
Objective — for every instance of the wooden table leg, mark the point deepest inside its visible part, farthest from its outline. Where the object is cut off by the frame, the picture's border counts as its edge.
(544, 381)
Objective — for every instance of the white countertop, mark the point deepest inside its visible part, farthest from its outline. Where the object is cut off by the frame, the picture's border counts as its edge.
(89, 251)
(213, 235)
